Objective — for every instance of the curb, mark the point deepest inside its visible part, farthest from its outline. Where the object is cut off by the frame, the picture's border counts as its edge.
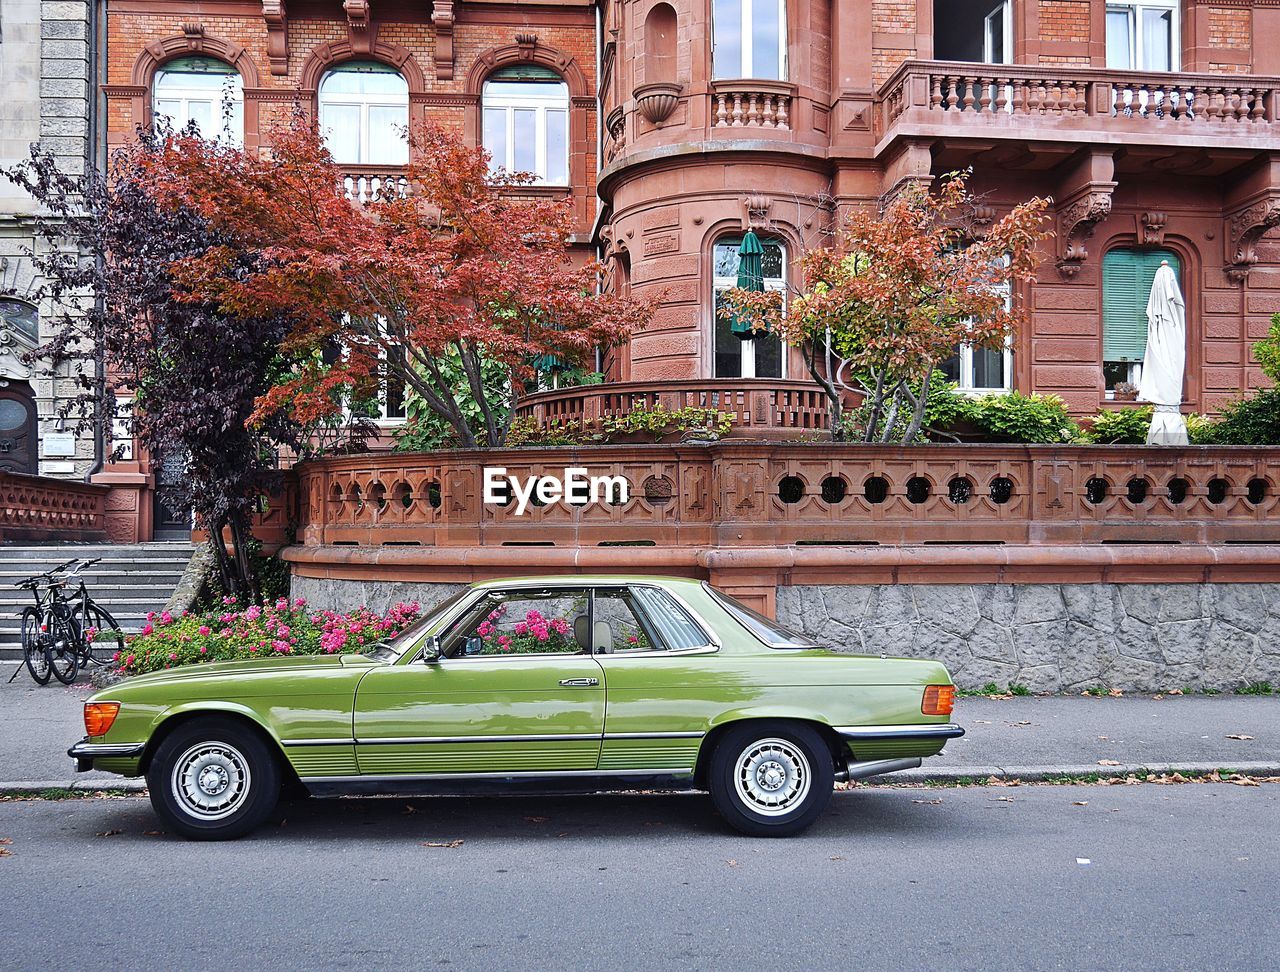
(947, 774)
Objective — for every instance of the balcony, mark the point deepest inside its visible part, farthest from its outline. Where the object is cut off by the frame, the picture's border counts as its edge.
(364, 183)
(761, 408)
(1077, 104)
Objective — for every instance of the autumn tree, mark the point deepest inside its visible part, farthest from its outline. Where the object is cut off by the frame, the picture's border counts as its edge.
(443, 276)
(193, 370)
(897, 293)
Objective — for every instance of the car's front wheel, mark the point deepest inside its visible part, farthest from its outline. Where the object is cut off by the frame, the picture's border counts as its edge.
(771, 779)
(213, 779)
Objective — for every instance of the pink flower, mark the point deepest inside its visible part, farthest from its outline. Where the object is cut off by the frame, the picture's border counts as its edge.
(300, 602)
(151, 615)
(146, 629)
(204, 650)
(166, 618)
(131, 659)
(173, 656)
(521, 628)
(205, 630)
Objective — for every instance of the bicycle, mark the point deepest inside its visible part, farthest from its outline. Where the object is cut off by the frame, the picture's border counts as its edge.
(71, 632)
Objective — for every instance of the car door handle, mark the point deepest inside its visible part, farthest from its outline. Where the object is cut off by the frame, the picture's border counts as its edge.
(579, 682)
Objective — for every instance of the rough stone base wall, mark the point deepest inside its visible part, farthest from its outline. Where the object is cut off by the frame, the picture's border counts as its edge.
(1048, 637)
(1057, 637)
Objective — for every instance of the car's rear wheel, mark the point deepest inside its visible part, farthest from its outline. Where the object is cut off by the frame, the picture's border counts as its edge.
(771, 779)
(213, 779)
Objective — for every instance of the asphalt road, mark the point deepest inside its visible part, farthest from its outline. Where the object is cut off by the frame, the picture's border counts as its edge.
(1140, 877)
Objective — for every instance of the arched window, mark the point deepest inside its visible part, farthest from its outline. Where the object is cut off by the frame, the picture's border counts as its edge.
(761, 356)
(526, 122)
(364, 114)
(749, 39)
(203, 90)
(1127, 276)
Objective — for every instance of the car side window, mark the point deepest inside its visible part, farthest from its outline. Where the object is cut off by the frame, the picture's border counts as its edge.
(522, 622)
(619, 628)
(671, 623)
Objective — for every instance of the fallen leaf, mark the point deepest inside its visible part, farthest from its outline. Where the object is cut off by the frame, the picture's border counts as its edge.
(6, 840)
(1239, 780)
(110, 833)
(1116, 693)
(535, 819)
(1103, 738)
(837, 858)
(1157, 697)
(1004, 799)
(930, 802)
(409, 808)
(731, 862)
(1080, 803)
(1024, 722)
(1108, 762)
(153, 833)
(5, 852)
(982, 722)
(443, 843)
(1174, 692)
(1238, 735)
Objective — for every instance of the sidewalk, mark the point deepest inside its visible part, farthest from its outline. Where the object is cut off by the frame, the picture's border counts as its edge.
(1025, 737)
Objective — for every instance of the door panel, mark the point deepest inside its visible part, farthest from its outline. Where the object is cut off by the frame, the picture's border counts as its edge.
(481, 715)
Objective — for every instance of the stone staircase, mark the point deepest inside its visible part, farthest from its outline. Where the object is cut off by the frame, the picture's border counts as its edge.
(129, 581)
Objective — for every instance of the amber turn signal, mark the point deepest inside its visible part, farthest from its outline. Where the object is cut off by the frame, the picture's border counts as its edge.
(98, 717)
(938, 700)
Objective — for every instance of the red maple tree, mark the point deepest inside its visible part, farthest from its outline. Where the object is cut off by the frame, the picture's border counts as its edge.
(445, 272)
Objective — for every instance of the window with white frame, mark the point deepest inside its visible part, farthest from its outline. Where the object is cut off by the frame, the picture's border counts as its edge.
(1143, 35)
(364, 114)
(526, 122)
(761, 356)
(980, 371)
(203, 90)
(749, 39)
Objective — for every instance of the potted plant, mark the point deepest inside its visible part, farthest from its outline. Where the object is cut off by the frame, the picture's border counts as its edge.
(1126, 391)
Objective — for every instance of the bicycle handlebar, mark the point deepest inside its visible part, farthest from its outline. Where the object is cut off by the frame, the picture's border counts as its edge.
(35, 578)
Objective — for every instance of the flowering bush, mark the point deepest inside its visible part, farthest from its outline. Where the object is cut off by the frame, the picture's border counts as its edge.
(232, 634)
(536, 633)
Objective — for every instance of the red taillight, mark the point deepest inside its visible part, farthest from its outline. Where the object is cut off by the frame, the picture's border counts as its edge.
(938, 700)
(98, 717)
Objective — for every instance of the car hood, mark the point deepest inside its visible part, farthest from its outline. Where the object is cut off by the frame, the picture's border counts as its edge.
(251, 666)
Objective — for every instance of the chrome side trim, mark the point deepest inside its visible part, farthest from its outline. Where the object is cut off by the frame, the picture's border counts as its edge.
(541, 774)
(88, 750)
(317, 742)
(947, 730)
(610, 736)
(431, 740)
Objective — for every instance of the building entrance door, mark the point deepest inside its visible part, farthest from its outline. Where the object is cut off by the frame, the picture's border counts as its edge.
(172, 517)
(18, 438)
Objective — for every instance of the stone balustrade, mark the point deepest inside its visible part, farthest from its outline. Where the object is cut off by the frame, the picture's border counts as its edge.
(1084, 98)
(41, 508)
(751, 104)
(367, 182)
(838, 498)
(761, 408)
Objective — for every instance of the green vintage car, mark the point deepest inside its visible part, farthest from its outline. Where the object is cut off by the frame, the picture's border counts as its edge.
(549, 683)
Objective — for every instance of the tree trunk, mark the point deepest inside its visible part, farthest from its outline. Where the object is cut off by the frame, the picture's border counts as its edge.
(917, 415)
(246, 580)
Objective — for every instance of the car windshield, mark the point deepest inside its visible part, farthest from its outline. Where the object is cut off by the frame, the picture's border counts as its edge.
(412, 635)
(772, 633)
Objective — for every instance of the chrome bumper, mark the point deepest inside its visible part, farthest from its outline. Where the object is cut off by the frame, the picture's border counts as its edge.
(85, 752)
(947, 730)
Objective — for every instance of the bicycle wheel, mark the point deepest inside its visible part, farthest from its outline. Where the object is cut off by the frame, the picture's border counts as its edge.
(63, 644)
(103, 639)
(33, 647)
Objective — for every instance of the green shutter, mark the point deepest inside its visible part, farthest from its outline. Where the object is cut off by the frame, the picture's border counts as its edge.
(1127, 276)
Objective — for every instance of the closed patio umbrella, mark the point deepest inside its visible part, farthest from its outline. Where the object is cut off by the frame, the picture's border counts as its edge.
(750, 277)
(1165, 360)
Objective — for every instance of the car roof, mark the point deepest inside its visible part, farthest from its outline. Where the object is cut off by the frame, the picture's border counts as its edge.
(569, 580)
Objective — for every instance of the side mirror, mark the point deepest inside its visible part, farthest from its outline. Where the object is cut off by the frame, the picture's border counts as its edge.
(431, 651)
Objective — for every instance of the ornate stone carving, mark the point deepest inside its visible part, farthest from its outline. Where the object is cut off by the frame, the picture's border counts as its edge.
(358, 26)
(526, 43)
(1153, 227)
(442, 20)
(757, 207)
(1244, 227)
(273, 14)
(657, 101)
(1076, 222)
(194, 33)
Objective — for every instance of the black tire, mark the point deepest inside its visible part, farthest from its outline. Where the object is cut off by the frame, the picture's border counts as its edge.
(33, 648)
(109, 640)
(63, 644)
(243, 781)
(764, 761)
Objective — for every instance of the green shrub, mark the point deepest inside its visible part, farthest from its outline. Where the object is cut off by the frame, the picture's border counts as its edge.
(1251, 421)
(1202, 430)
(945, 409)
(1114, 426)
(1014, 417)
(1267, 351)
(659, 421)
(527, 432)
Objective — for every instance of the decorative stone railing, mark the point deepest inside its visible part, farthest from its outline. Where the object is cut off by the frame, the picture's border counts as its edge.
(1114, 100)
(761, 408)
(751, 104)
(368, 182)
(42, 508)
(836, 497)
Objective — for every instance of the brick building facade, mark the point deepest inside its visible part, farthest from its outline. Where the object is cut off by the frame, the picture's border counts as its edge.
(676, 125)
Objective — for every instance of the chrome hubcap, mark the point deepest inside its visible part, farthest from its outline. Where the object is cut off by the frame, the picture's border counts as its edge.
(210, 780)
(772, 776)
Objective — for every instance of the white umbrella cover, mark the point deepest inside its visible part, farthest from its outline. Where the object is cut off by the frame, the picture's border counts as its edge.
(1165, 360)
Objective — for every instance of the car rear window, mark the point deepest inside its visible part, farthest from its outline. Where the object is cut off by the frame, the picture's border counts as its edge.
(674, 627)
(772, 633)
